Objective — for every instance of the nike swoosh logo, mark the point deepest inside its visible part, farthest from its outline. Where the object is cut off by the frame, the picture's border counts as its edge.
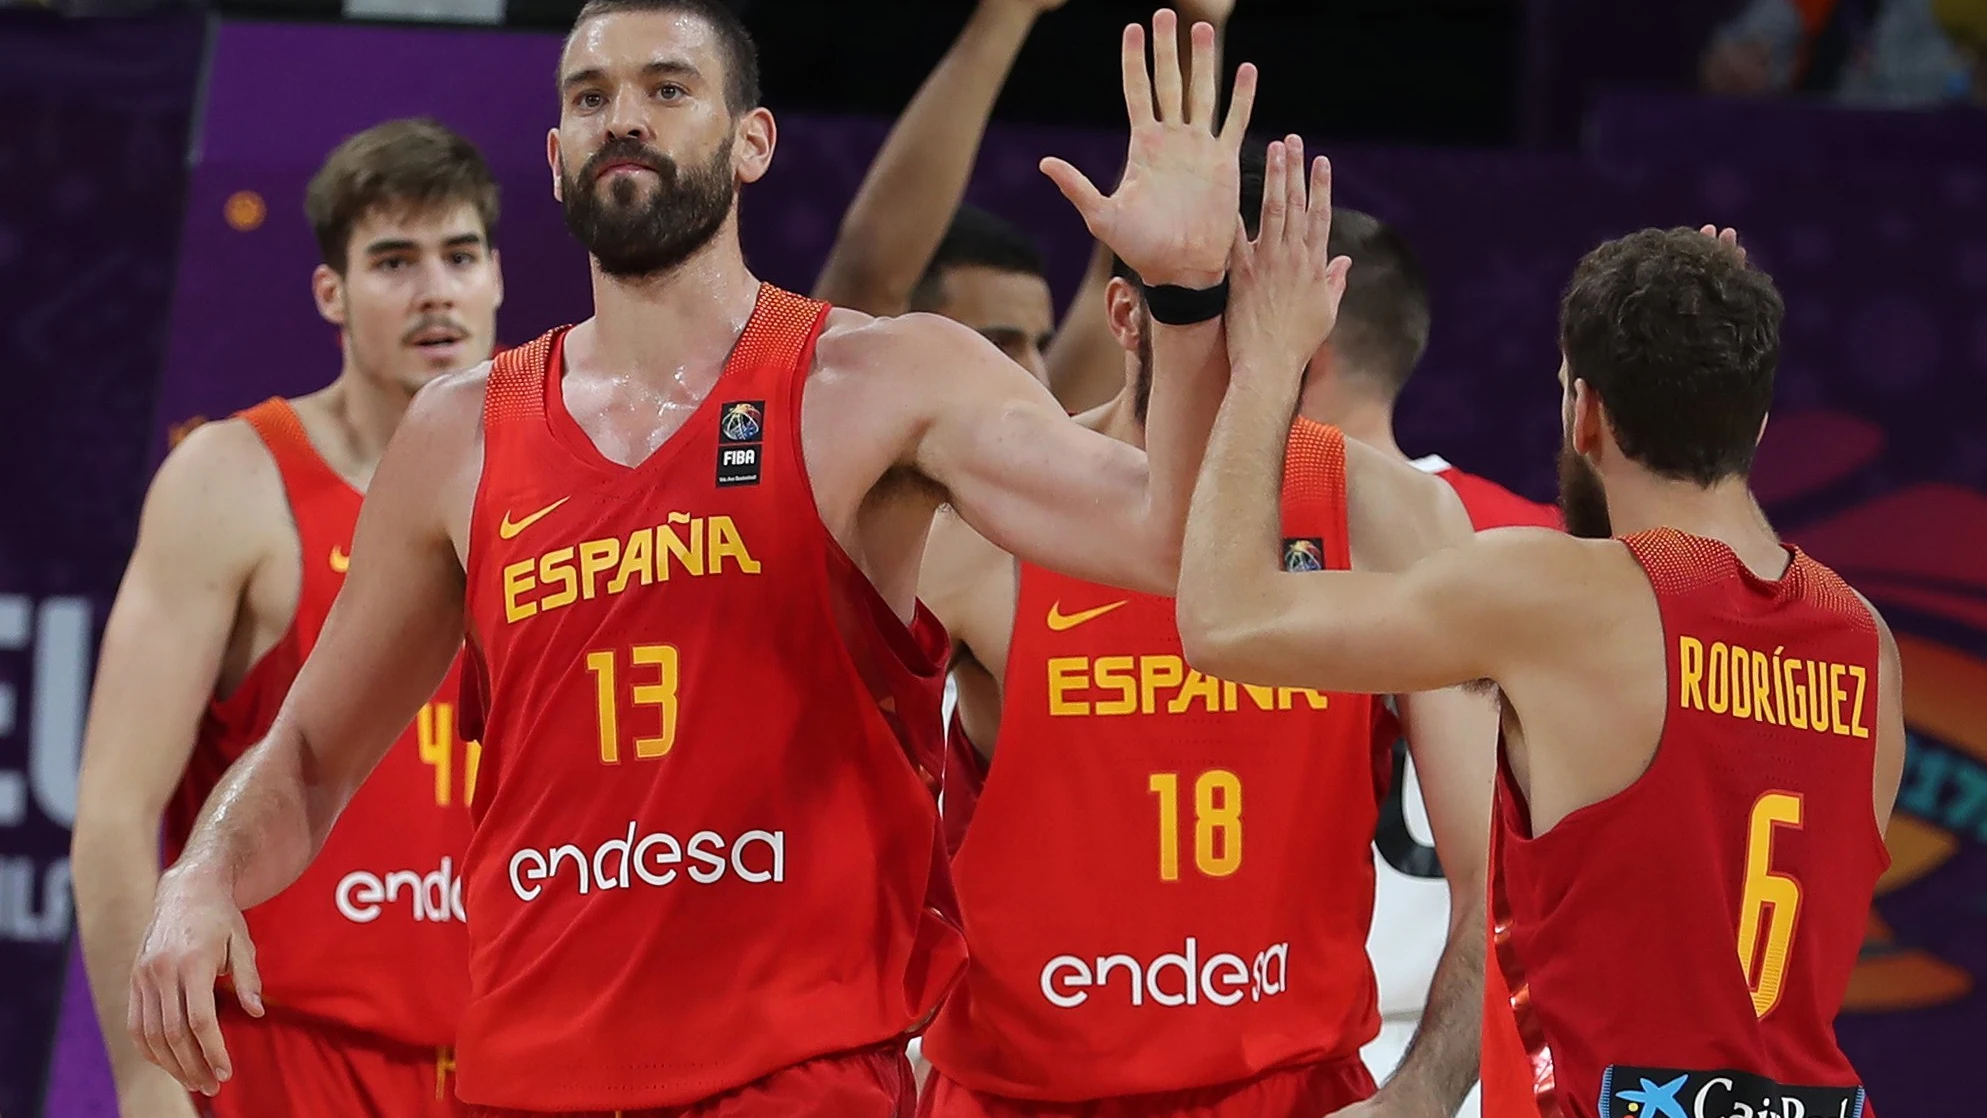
(339, 560)
(510, 528)
(1059, 621)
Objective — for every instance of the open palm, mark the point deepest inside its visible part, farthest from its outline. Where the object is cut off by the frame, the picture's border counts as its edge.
(1173, 215)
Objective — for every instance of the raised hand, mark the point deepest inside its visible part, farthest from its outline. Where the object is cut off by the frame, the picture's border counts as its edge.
(1727, 237)
(1172, 217)
(197, 935)
(1285, 286)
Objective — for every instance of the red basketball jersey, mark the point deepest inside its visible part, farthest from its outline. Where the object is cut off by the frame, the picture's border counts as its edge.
(1682, 948)
(371, 936)
(1168, 877)
(707, 842)
(1489, 504)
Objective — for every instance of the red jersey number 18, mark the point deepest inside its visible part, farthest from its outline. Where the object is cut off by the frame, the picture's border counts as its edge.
(1217, 823)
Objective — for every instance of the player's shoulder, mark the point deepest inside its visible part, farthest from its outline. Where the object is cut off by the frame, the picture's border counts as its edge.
(1395, 513)
(852, 340)
(217, 499)
(451, 404)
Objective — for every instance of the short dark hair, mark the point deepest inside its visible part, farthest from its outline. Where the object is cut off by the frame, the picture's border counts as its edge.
(1253, 162)
(1382, 328)
(1679, 337)
(975, 238)
(741, 89)
(416, 163)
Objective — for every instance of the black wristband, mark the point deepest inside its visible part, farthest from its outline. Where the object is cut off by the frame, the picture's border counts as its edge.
(1185, 306)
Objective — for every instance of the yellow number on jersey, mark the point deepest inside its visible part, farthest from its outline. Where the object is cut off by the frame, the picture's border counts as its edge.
(1766, 890)
(1217, 823)
(659, 693)
(434, 734)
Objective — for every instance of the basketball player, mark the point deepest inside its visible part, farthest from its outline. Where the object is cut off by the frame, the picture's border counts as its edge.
(909, 243)
(1202, 982)
(1353, 384)
(245, 541)
(684, 537)
(1703, 727)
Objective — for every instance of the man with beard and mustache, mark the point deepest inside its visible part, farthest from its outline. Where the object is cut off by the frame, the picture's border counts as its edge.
(1703, 730)
(244, 543)
(684, 537)
(1108, 750)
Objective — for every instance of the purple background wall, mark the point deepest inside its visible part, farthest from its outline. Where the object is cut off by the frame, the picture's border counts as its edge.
(1876, 460)
(92, 152)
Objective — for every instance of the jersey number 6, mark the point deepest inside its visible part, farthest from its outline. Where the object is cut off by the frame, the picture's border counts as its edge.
(1765, 963)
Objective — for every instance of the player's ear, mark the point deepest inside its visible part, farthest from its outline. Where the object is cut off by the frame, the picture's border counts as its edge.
(327, 287)
(752, 149)
(552, 161)
(1125, 312)
(1589, 420)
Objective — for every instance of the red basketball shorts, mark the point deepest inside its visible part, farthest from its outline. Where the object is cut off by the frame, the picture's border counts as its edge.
(294, 1069)
(1307, 1091)
(871, 1083)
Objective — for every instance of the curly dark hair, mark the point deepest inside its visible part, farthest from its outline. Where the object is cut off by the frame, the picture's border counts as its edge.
(1679, 337)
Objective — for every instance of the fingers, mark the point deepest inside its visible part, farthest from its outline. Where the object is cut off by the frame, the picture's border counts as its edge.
(1295, 225)
(1138, 83)
(1200, 99)
(241, 964)
(188, 1065)
(1240, 105)
(1275, 189)
(1320, 213)
(205, 1028)
(1166, 64)
(1077, 187)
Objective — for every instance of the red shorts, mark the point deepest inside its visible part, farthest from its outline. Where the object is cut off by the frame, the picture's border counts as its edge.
(1306, 1091)
(299, 1070)
(870, 1083)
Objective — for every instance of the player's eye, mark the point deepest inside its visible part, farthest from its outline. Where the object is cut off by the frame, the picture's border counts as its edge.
(670, 91)
(589, 99)
(392, 264)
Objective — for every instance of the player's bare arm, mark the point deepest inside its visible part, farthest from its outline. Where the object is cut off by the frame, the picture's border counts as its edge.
(1890, 720)
(1053, 492)
(385, 647)
(1452, 736)
(207, 591)
(901, 211)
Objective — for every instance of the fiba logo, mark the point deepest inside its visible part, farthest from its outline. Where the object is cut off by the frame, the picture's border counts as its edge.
(743, 421)
(1300, 555)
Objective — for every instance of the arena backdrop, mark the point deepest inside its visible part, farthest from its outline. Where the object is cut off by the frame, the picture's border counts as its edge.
(1876, 459)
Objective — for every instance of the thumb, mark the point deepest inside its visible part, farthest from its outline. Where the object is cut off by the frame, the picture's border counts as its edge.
(1077, 187)
(241, 964)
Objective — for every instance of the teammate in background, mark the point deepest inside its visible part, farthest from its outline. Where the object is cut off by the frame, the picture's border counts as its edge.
(1703, 728)
(1204, 983)
(684, 537)
(908, 242)
(1352, 383)
(245, 541)
(988, 275)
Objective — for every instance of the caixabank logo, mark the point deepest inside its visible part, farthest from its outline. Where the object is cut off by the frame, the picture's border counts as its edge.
(1636, 1092)
(1917, 553)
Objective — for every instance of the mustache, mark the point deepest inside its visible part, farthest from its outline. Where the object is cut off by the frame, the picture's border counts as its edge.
(429, 322)
(627, 149)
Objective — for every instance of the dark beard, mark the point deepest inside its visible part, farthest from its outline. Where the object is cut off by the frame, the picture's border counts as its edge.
(1583, 503)
(634, 238)
(1141, 399)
